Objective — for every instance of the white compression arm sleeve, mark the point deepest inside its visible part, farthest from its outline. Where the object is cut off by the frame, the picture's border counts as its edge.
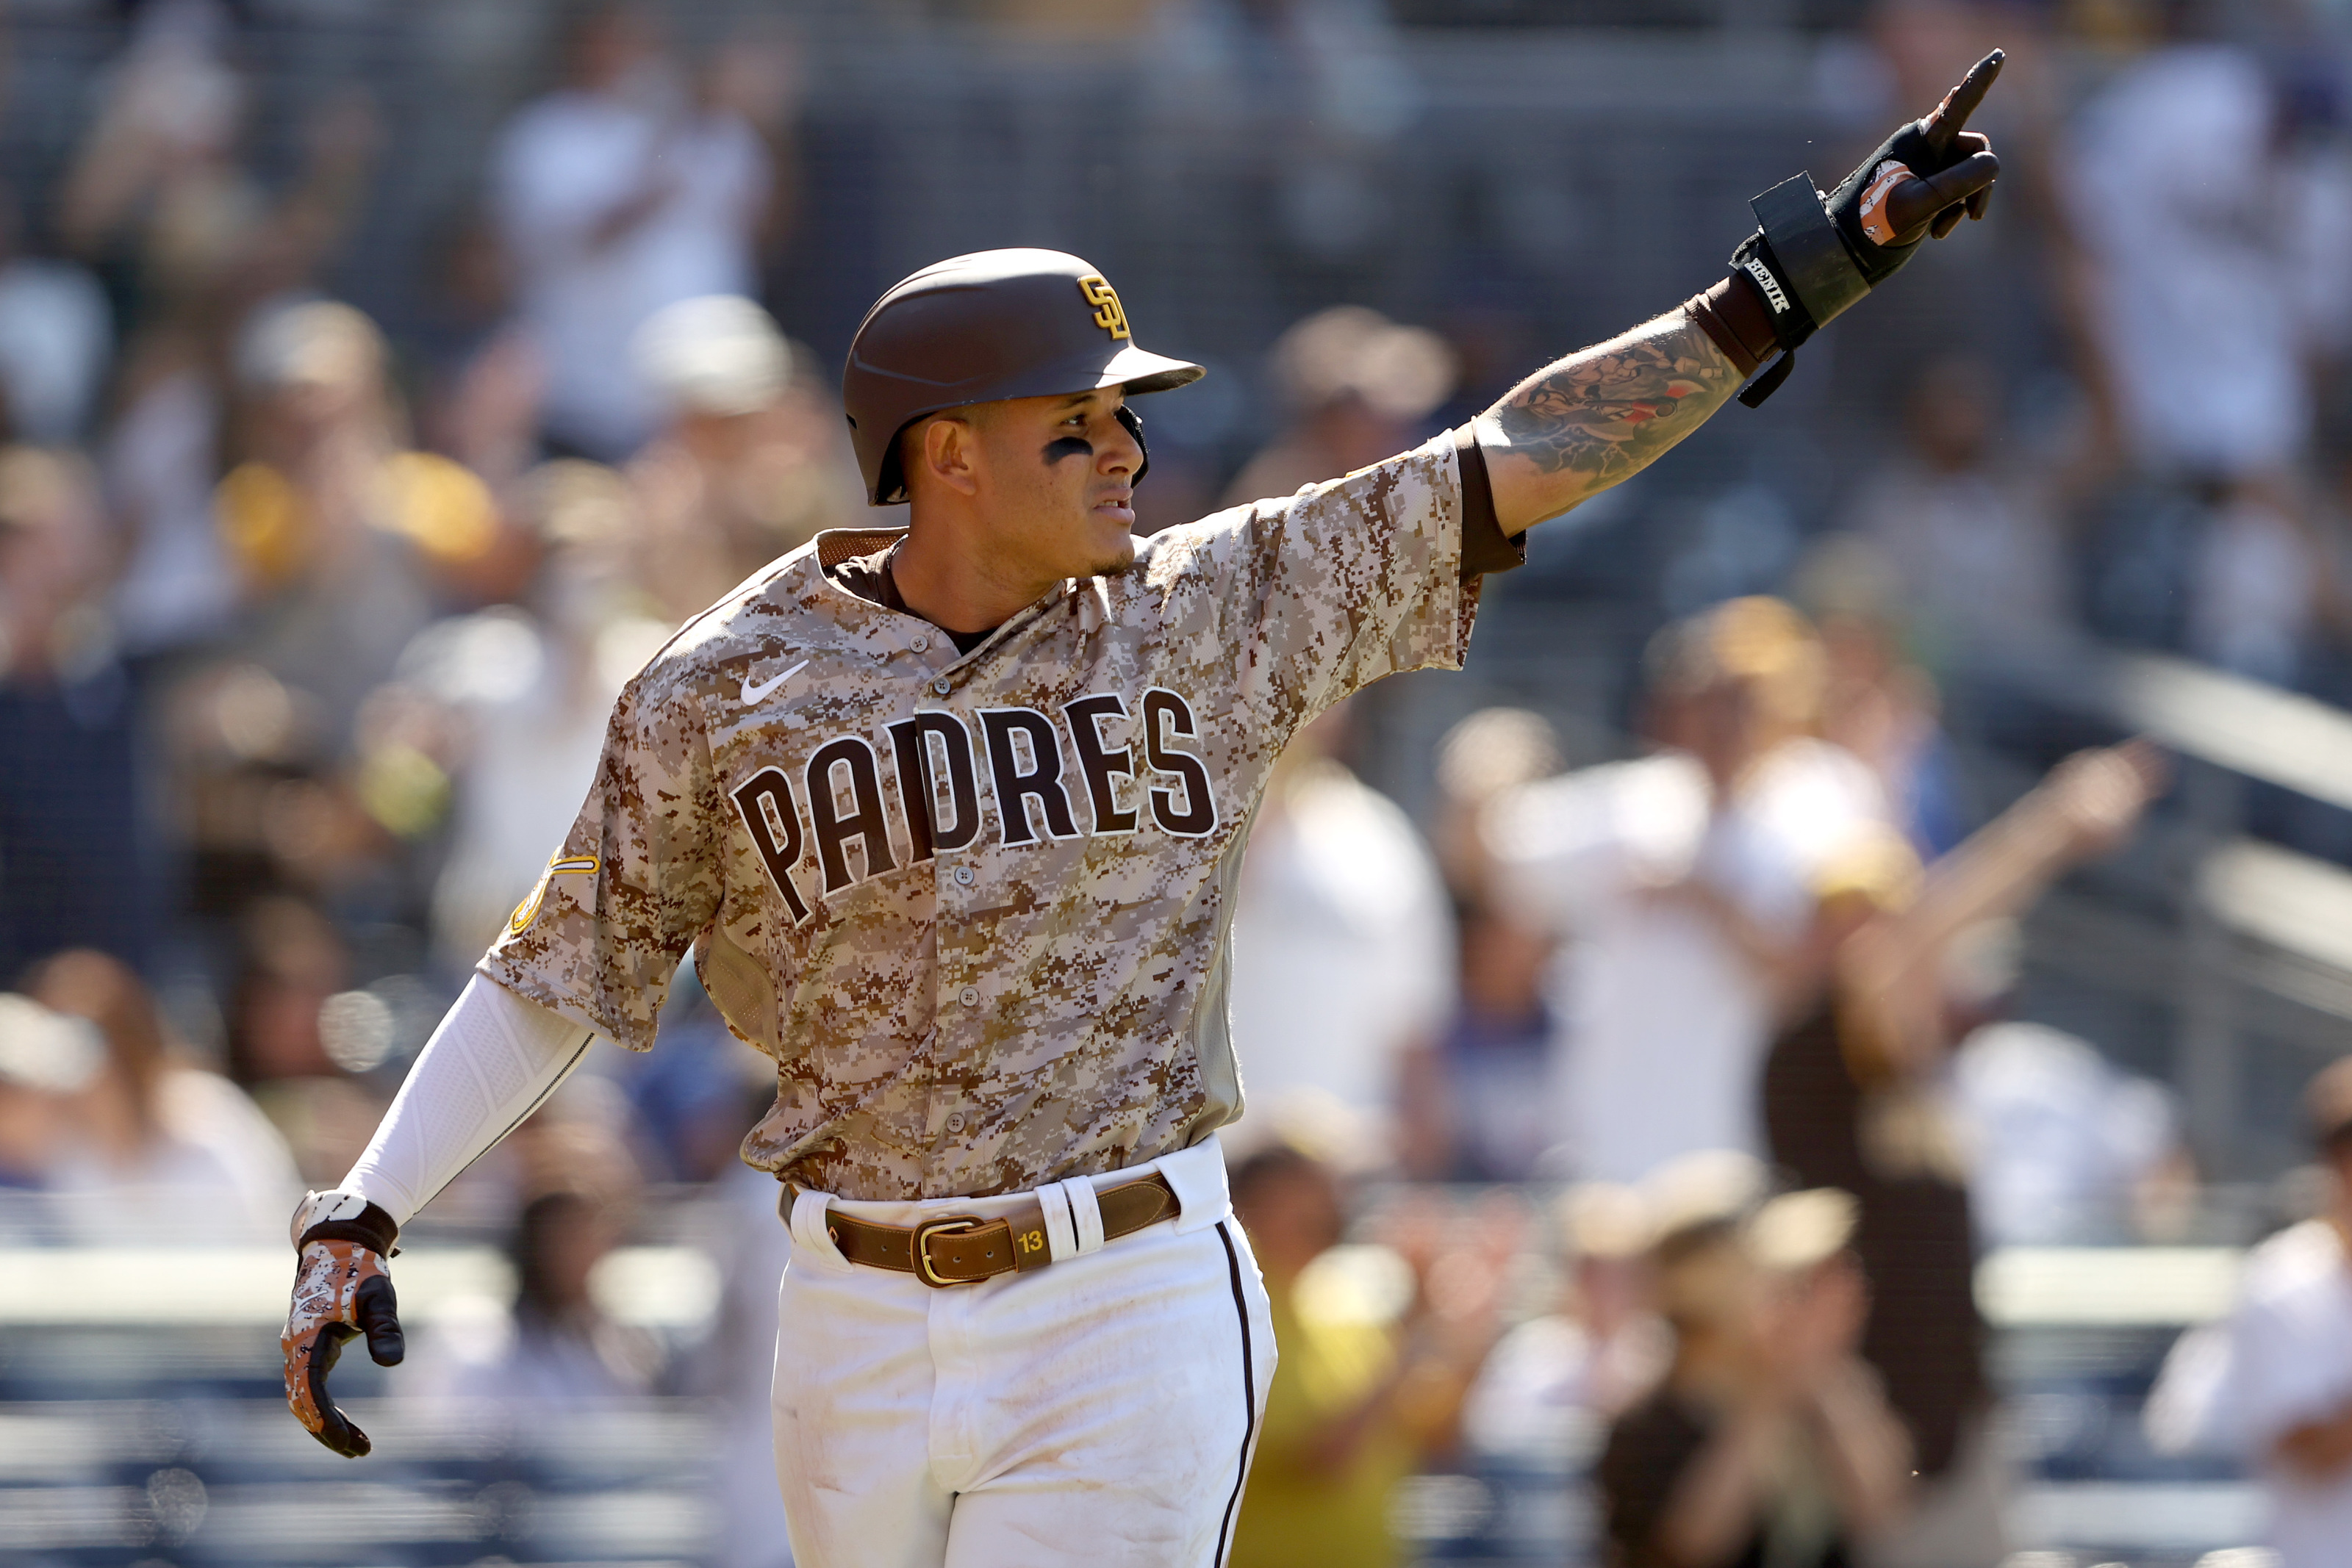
(495, 1059)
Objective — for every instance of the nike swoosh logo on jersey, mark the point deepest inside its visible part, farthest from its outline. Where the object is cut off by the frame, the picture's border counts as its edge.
(752, 693)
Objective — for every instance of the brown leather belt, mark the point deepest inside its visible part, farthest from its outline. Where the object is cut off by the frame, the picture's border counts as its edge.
(964, 1250)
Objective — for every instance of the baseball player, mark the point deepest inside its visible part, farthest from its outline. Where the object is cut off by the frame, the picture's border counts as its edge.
(949, 816)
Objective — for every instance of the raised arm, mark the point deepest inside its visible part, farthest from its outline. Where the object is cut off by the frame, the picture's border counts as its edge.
(1604, 414)
(1601, 416)
(1891, 970)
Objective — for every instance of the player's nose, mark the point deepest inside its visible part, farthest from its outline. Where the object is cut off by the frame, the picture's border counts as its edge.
(1118, 452)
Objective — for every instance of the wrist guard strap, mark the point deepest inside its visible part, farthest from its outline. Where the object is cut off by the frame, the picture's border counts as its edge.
(1799, 263)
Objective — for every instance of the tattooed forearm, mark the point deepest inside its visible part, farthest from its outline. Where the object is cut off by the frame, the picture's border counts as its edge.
(1601, 416)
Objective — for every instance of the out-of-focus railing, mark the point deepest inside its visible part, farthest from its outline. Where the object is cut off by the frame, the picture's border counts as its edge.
(671, 1288)
(141, 1422)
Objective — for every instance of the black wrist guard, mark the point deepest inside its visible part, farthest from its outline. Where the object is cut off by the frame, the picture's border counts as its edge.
(1800, 261)
(1814, 255)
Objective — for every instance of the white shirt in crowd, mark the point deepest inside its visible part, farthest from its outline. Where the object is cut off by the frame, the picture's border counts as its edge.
(216, 1172)
(561, 168)
(1343, 945)
(2282, 1358)
(2212, 252)
(1665, 1021)
(56, 340)
(537, 702)
(1548, 1389)
(2059, 1138)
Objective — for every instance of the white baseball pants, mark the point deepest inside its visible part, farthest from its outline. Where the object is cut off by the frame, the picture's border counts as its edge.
(1100, 1411)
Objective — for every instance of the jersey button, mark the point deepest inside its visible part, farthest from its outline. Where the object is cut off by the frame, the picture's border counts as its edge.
(969, 996)
(922, 645)
(963, 876)
(955, 1121)
(942, 686)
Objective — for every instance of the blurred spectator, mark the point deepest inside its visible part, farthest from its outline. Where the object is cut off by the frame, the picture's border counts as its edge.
(45, 1059)
(293, 963)
(1969, 532)
(153, 1134)
(1770, 1442)
(1877, 704)
(1849, 1101)
(619, 194)
(250, 765)
(693, 1097)
(56, 341)
(1470, 1106)
(1353, 387)
(344, 542)
(1492, 751)
(1678, 884)
(188, 243)
(2217, 289)
(519, 695)
(1357, 1399)
(2061, 1146)
(483, 379)
(1062, 20)
(161, 457)
(335, 530)
(2273, 1384)
(1312, 96)
(1342, 955)
(557, 1349)
(752, 462)
(72, 872)
(2173, 187)
(1547, 1393)
(735, 1367)
(158, 199)
(2260, 583)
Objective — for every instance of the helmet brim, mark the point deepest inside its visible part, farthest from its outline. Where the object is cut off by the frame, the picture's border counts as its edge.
(1136, 370)
(1141, 372)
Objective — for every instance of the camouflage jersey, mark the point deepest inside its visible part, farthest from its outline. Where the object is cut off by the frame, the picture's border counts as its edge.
(977, 905)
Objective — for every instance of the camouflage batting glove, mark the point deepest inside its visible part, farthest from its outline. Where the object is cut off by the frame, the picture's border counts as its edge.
(1812, 256)
(340, 1289)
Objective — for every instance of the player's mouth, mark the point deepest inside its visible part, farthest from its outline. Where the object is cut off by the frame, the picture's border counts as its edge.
(1117, 506)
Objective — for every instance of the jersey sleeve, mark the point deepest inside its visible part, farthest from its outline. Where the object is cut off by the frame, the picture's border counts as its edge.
(1325, 591)
(635, 881)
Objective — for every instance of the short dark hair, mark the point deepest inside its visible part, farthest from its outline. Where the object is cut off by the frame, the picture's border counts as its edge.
(2327, 1106)
(1276, 1163)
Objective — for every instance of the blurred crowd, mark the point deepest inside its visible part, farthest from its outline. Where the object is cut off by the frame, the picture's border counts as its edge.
(310, 637)
(1642, 1119)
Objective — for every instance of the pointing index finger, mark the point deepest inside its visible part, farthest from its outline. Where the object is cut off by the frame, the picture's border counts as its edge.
(1952, 114)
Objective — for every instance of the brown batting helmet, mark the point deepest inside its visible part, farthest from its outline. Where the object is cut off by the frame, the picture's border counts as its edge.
(981, 328)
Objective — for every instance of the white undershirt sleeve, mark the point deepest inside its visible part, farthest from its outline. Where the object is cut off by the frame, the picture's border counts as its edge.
(495, 1059)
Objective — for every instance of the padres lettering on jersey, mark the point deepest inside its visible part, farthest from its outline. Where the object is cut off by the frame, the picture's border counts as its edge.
(935, 802)
(976, 905)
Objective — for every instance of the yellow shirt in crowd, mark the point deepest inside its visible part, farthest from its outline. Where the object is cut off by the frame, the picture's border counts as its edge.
(1301, 1510)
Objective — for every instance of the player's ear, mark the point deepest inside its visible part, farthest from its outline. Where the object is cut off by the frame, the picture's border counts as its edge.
(948, 453)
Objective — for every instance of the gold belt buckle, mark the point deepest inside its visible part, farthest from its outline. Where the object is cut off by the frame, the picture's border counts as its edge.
(952, 1225)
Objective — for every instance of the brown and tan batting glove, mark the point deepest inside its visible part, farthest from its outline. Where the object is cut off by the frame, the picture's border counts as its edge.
(341, 1290)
